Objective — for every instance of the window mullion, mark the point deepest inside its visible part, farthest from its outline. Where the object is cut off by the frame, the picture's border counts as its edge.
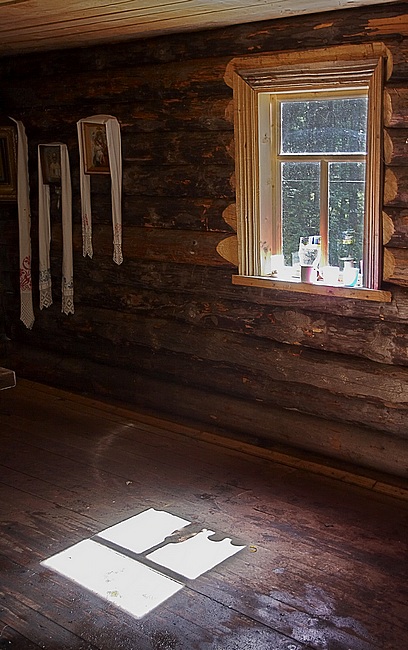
(324, 210)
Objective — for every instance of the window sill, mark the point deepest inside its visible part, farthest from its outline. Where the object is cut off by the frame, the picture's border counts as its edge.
(316, 288)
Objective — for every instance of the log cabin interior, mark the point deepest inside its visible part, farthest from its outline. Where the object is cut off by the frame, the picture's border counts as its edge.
(197, 454)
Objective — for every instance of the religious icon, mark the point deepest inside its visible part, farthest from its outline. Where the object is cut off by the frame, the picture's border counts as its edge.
(50, 156)
(8, 164)
(95, 147)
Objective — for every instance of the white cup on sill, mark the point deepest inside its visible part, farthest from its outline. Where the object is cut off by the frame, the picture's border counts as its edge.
(308, 274)
(330, 274)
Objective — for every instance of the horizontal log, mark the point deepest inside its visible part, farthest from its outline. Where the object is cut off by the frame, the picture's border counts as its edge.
(177, 79)
(241, 415)
(366, 338)
(184, 180)
(388, 228)
(194, 181)
(221, 378)
(388, 264)
(396, 186)
(179, 213)
(193, 279)
(396, 227)
(158, 269)
(212, 282)
(399, 49)
(338, 373)
(196, 113)
(395, 103)
(181, 246)
(396, 147)
(228, 249)
(396, 266)
(180, 148)
(230, 216)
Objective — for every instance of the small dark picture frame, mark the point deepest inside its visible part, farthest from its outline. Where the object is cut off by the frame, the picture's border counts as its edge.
(8, 163)
(50, 157)
(95, 148)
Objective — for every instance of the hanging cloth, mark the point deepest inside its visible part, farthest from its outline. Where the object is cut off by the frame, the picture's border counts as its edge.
(24, 228)
(113, 141)
(44, 234)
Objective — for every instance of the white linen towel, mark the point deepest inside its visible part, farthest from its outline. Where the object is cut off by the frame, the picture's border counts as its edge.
(24, 228)
(113, 140)
(44, 234)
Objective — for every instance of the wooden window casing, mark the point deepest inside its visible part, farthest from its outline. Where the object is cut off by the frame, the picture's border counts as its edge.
(253, 80)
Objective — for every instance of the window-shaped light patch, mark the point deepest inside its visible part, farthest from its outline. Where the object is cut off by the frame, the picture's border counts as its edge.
(143, 531)
(129, 584)
(144, 568)
(193, 557)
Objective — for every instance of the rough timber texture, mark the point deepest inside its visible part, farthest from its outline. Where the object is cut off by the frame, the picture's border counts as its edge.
(167, 330)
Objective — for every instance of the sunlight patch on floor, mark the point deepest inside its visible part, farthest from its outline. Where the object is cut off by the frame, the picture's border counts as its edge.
(193, 557)
(117, 565)
(119, 579)
(143, 531)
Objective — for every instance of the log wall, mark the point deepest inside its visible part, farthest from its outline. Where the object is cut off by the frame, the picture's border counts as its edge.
(167, 330)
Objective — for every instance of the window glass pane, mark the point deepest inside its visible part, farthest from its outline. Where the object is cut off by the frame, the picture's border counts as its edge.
(300, 204)
(324, 126)
(346, 212)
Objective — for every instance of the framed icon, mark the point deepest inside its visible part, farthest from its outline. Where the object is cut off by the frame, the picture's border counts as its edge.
(95, 148)
(50, 156)
(8, 163)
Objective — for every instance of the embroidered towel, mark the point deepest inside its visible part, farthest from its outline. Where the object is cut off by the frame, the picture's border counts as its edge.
(113, 141)
(44, 235)
(24, 228)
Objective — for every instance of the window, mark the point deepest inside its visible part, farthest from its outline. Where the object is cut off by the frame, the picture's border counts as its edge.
(308, 129)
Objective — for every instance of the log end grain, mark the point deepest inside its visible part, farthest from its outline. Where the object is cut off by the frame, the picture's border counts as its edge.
(228, 249)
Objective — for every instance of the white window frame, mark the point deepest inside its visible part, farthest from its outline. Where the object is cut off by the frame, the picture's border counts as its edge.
(252, 80)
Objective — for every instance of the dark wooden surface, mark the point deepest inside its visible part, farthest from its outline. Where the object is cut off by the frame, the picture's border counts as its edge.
(170, 317)
(7, 378)
(325, 563)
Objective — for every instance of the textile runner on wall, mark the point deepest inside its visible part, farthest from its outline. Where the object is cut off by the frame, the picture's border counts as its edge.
(24, 227)
(44, 232)
(114, 168)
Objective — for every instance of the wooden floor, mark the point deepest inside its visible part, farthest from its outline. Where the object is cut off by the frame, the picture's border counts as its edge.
(325, 563)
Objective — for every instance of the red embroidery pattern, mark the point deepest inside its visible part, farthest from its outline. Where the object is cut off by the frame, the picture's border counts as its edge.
(25, 274)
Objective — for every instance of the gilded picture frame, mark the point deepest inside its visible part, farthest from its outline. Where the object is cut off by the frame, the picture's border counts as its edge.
(8, 163)
(95, 148)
